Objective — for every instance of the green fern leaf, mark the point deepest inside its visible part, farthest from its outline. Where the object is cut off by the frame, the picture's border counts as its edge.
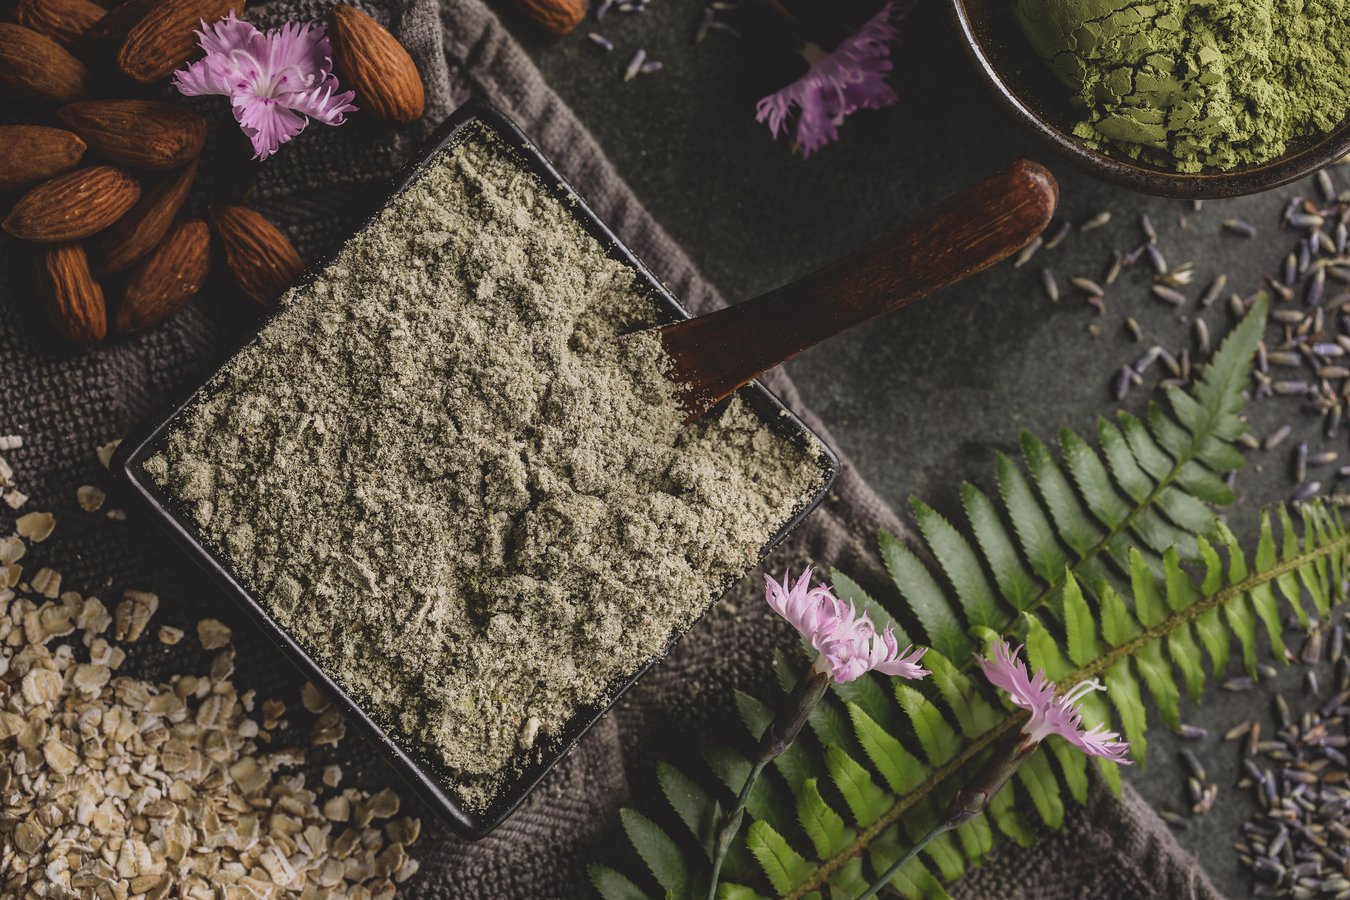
(825, 827)
(1073, 767)
(1118, 626)
(977, 839)
(974, 715)
(661, 854)
(925, 598)
(1040, 784)
(692, 804)
(937, 738)
(1147, 453)
(728, 891)
(1288, 582)
(1148, 604)
(1075, 528)
(865, 800)
(1093, 480)
(1080, 630)
(962, 566)
(1043, 652)
(785, 867)
(900, 769)
(1185, 653)
(1137, 484)
(1009, 820)
(1158, 676)
(1123, 691)
(1110, 773)
(1033, 529)
(613, 886)
(848, 880)
(872, 696)
(1018, 586)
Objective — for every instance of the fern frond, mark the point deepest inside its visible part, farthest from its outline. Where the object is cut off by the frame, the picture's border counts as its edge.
(1106, 561)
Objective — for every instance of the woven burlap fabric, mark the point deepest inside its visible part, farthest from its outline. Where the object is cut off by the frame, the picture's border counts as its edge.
(65, 402)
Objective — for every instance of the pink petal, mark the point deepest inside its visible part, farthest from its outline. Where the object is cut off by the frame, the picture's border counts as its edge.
(839, 83)
(1051, 712)
(227, 35)
(267, 123)
(275, 80)
(323, 105)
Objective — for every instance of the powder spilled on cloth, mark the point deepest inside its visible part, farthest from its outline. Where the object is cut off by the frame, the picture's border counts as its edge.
(449, 480)
(1190, 84)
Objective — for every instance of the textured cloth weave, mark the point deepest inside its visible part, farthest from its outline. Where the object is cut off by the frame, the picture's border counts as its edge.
(65, 402)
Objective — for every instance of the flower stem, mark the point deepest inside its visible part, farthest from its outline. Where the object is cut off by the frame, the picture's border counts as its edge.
(969, 802)
(782, 731)
(885, 879)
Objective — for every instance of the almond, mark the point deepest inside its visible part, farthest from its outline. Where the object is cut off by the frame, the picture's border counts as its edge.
(136, 234)
(558, 16)
(102, 41)
(261, 258)
(32, 153)
(73, 206)
(143, 134)
(167, 278)
(167, 36)
(64, 21)
(73, 298)
(36, 69)
(374, 64)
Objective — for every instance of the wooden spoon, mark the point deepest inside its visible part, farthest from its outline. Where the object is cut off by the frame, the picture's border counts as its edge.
(713, 355)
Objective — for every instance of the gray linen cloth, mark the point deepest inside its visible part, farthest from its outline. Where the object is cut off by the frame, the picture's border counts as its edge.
(66, 401)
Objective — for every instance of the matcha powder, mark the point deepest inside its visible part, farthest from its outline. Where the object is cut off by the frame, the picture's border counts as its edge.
(1190, 84)
(447, 478)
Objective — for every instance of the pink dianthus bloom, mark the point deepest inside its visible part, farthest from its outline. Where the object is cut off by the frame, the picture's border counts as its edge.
(276, 80)
(1051, 712)
(849, 643)
(839, 83)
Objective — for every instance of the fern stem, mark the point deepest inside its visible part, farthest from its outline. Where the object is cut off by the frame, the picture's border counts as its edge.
(1097, 549)
(1340, 544)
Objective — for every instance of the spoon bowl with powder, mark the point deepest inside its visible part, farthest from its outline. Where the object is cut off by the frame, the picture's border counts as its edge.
(1193, 101)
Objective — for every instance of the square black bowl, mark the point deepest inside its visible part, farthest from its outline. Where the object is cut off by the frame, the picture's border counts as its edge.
(416, 764)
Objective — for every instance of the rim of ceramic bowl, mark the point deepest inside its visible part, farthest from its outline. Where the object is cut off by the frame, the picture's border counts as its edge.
(972, 29)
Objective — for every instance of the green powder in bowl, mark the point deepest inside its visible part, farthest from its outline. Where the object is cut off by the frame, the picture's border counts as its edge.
(443, 472)
(1194, 84)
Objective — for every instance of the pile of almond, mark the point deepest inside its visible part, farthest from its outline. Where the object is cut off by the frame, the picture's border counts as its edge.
(98, 182)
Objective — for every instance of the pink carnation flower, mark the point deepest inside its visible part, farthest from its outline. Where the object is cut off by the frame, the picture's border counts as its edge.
(851, 78)
(1051, 712)
(276, 80)
(849, 643)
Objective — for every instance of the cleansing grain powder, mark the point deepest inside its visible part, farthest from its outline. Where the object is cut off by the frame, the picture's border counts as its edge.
(449, 477)
(1194, 84)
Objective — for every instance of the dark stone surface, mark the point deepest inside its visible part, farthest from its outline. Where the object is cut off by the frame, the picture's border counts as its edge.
(923, 399)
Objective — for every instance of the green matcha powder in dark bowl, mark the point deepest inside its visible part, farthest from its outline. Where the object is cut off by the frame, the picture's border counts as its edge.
(1176, 98)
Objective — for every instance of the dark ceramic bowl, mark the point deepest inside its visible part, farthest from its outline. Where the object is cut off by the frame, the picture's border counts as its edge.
(1025, 87)
(419, 767)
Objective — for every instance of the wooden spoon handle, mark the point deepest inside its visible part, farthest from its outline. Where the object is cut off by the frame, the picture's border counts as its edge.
(713, 355)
